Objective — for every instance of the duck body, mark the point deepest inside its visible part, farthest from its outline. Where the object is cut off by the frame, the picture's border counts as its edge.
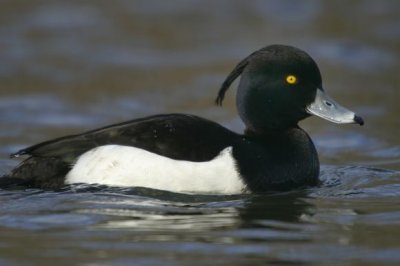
(185, 153)
(280, 86)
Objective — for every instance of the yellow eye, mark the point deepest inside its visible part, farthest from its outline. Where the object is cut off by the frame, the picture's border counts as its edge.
(291, 79)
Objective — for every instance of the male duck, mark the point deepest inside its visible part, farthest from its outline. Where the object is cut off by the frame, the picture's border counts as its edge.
(279, 86)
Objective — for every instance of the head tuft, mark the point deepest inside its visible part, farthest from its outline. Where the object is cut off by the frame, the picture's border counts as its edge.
(236, 72)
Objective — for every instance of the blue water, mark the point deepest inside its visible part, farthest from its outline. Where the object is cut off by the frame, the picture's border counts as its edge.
(353, 217)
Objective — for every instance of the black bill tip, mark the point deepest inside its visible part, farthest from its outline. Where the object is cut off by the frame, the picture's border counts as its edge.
(358, 120)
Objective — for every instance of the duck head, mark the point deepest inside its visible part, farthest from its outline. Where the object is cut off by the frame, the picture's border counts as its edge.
(279, 86)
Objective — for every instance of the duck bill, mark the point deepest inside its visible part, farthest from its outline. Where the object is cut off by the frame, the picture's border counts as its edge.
(328, 109)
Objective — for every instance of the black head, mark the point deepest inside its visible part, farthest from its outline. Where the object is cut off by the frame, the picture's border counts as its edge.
(278, 85)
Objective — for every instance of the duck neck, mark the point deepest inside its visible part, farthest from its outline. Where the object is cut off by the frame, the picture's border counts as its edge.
(271, 133)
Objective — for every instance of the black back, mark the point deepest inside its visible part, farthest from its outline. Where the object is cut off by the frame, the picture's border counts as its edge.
(177, 136)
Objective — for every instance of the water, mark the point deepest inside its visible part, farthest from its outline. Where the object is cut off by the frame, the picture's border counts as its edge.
(353, 218)
(66, 67)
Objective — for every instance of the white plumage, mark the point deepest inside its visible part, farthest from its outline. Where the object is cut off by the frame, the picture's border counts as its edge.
(126, 166)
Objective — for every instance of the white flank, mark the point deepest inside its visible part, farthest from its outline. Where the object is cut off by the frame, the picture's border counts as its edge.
(125, 166)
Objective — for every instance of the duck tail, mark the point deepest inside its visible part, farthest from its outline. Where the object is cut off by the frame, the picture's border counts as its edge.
(46, 173)
(9, 182)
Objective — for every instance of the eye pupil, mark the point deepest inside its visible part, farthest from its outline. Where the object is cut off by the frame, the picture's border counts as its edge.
(291, 79)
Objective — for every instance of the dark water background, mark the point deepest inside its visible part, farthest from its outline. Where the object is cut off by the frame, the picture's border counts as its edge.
(68, 66)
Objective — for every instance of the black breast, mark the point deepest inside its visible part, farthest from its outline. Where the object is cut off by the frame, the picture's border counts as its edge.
(279, 161)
